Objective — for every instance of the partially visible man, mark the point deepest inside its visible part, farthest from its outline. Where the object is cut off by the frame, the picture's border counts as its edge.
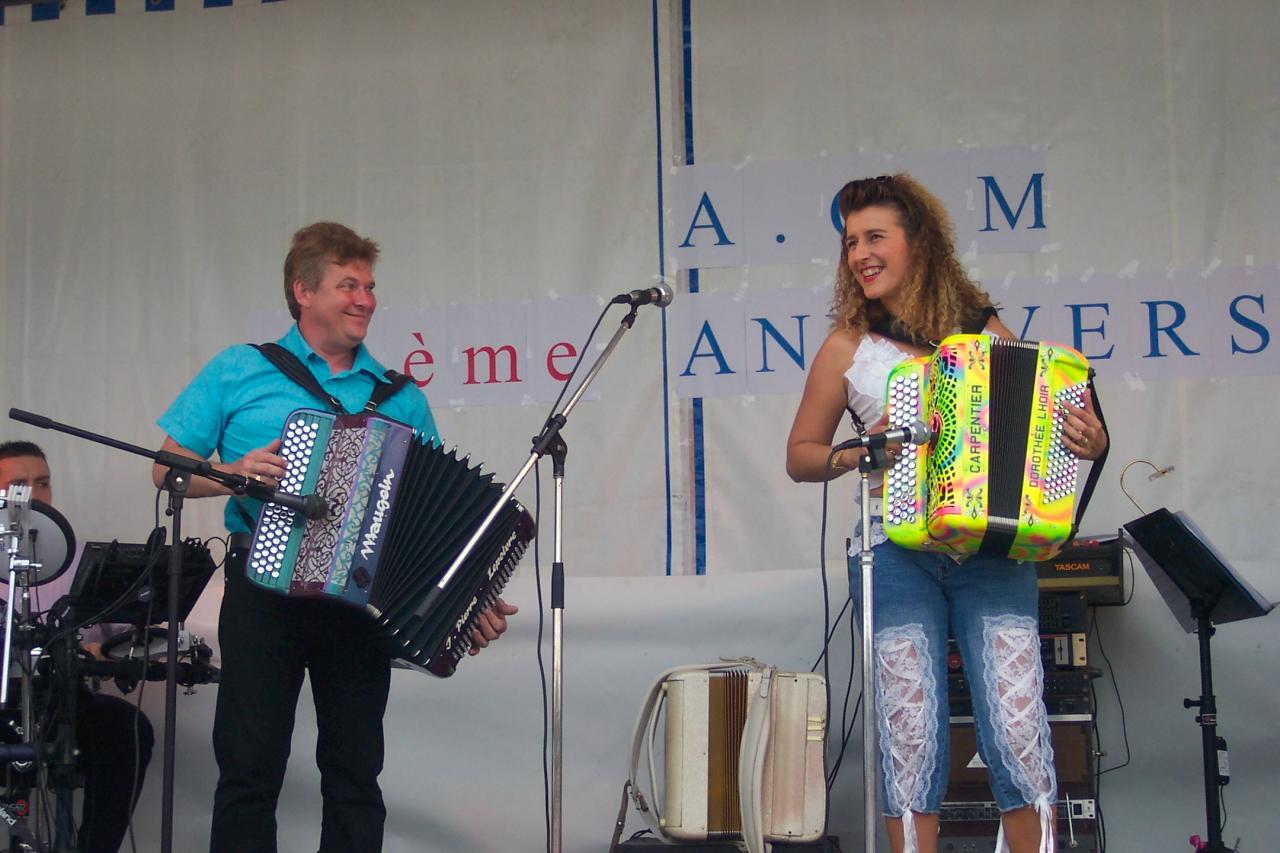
(236, 408)
(115, 738)
(22, 463)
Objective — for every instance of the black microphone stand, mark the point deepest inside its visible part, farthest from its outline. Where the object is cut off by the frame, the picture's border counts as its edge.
(548, 441)
(177, 479)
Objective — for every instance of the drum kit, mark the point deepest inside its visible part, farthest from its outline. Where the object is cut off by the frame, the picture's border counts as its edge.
(44, 666)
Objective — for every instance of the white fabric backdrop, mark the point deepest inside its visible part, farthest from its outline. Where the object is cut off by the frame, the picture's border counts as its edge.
(154, 165)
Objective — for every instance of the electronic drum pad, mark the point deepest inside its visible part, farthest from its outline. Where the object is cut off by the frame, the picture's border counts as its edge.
(48, 540)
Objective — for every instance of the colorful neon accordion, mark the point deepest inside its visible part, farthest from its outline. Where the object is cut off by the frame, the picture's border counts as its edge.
(997, 478)
(400, 511)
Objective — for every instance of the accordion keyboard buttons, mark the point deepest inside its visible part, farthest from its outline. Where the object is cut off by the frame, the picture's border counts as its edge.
(1062, 464)
(276, 523)
(904, 408)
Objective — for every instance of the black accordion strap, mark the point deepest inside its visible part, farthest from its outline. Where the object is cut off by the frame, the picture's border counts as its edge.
(289, 364)
(1095, 469)
(891, 329)
(244, 514)
(857, 421)
(386, 390)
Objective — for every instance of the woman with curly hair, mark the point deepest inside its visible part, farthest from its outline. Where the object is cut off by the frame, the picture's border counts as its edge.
(899, 290)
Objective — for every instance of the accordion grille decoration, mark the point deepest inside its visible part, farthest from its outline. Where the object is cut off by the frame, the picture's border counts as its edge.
(997, 478)
(401, 510)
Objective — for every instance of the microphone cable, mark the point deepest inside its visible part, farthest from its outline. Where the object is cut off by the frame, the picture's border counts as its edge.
(537, 577)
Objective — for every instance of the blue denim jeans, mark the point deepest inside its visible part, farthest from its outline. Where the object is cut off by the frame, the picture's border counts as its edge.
(989, 605)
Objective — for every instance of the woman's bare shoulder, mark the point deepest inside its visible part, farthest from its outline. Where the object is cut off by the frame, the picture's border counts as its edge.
(840, 345)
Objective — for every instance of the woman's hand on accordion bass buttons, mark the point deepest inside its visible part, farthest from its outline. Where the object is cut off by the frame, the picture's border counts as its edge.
(880, 426)
(491, 624)
(848, 460)
(1082, 432)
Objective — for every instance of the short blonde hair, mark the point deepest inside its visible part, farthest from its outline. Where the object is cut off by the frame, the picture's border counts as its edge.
(314, 248)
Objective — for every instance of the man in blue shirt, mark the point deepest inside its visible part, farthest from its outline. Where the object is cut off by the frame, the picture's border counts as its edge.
(236, 407)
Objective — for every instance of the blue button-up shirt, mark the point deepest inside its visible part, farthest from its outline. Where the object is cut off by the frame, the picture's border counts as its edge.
(240, 400)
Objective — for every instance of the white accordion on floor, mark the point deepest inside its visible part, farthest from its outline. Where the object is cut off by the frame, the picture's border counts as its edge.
(743, 755)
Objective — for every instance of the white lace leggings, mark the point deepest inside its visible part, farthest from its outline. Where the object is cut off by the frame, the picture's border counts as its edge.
(989, 605)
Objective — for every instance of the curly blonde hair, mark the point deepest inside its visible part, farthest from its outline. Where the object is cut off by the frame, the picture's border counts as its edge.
(937, 296)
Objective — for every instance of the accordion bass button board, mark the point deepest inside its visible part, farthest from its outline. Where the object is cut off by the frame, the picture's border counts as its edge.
(401, 509)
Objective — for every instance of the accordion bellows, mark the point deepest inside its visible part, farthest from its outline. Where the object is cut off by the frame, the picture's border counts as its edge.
(997, 478)
(401, 510)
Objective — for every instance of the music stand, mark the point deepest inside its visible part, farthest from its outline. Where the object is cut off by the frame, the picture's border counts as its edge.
(1201, 589)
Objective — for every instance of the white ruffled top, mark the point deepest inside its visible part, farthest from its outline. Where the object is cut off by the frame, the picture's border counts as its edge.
(868, 376)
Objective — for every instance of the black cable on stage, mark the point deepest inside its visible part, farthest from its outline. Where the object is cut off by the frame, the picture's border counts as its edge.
(1124, 727)
(847, 725)
(835, 626)
(542, 669)
(826, 604)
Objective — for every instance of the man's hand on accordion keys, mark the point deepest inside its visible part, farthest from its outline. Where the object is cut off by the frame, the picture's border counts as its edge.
(491, 624)
(264, 465)
(1082, 431)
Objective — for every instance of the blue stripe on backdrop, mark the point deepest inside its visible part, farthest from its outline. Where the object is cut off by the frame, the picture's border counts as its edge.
(699, 447)
(662, 271)
(686, 49)
(52, 11)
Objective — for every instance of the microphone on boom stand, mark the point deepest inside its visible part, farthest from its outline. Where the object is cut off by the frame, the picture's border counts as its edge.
(661, 295)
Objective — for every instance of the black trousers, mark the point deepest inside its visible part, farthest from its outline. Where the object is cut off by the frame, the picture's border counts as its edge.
(268, 641)
(115, 741)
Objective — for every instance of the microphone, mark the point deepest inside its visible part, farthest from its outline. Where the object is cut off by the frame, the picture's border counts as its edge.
(916, 433)
(31, 418)
(660, 296)
(309, 506)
